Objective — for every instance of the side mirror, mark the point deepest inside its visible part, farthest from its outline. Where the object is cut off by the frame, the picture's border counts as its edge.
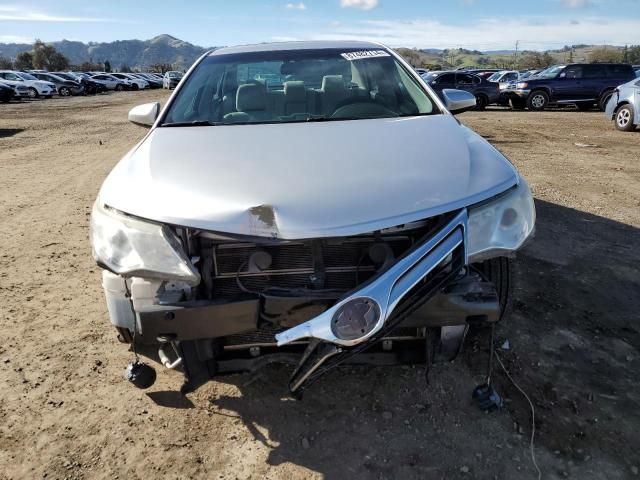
(144, 115)
(458, 101)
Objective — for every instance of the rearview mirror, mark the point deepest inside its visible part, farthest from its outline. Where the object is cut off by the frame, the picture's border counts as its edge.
(144, 115)
(458, 101)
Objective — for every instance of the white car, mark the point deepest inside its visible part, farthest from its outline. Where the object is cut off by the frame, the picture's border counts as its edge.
(504, 78)
(19, 91)
(134, 83)
(111, 82)
(305, 201)
(36, 88)
(171, 79)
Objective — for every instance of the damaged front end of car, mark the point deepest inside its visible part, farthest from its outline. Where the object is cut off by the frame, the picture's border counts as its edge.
(213, 303)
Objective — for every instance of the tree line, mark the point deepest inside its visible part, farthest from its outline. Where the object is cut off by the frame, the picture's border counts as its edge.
(46, 57)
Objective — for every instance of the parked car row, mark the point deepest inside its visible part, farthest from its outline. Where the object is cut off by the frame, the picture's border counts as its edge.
(43, 84)
(582, 85)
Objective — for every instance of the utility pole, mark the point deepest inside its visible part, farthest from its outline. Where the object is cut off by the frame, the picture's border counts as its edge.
(516, 55)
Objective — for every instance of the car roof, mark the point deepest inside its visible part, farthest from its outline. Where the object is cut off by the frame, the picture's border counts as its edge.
(304, 45)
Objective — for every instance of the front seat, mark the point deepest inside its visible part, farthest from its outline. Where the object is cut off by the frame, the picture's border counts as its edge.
(332, 93)
(251, 104)
(295, 98)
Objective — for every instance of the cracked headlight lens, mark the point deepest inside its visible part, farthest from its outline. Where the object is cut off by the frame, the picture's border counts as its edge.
(132, 247)
(501, 226)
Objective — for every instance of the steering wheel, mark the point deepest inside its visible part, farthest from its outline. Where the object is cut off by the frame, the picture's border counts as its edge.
(361, 107)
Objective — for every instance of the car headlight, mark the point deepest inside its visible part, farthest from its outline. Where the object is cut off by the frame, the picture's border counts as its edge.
(522, 85)
(132, 247)
(502, 225)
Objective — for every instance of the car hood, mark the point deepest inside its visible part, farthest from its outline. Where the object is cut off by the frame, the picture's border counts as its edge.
(306, 180)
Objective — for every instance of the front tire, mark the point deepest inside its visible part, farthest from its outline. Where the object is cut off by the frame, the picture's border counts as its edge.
(538, 101)
(135, 87)
(624, 119)
(33, 93)
(499, 271)
(118, 88)
(604, 99)
(481, 102)
(517, 103)
(64, 92)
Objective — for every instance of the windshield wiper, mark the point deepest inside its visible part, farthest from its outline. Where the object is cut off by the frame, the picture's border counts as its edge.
(194, 123)
(331, 119)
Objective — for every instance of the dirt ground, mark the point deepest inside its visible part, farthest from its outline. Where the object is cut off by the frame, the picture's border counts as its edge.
(65, 411)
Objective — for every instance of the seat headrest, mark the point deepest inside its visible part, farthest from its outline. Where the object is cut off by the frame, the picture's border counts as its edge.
(332, 83)
(251, 97)
(295, 91)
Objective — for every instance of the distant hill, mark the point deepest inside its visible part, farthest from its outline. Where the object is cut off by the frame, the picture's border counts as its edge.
(132, 53)
(170, 50)
(459, 57)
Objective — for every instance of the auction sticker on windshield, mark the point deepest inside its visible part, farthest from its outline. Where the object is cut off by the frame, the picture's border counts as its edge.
(364, 54)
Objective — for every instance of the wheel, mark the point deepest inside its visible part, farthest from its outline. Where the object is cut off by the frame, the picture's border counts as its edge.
(538, 100)
(33, 93)
(119, 87)
(624, 118)
(498, 271)
(517, 103)
(584, 107)
(135, 87)
(64, 91)
(604, 99)
(481, 102)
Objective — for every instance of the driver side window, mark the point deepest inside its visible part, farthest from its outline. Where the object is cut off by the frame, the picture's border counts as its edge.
(572, 73)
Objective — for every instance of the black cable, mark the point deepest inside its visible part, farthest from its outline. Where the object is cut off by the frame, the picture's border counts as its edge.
(135, 321)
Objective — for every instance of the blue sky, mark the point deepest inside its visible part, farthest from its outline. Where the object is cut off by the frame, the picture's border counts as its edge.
(476, 24)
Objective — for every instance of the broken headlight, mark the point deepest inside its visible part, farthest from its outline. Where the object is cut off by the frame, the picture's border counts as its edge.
(132, 247)
(500, 226)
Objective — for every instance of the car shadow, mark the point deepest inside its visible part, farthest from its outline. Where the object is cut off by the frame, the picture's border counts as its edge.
(575, 310)
(170, 399)
(10, 132)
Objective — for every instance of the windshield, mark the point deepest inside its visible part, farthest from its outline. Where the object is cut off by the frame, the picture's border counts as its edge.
(551, 72)
(297, 86)
(174, 74)
(51, 76)
(26, 76)
(495, 77)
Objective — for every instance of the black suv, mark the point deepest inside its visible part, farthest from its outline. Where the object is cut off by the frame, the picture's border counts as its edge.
(582, 84)
(486, 92)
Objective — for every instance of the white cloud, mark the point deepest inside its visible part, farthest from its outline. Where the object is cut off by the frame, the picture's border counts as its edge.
(576, 3)
(361, 4)
(487, 34)
(15, 39)
(296, 6)
(11, 13)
